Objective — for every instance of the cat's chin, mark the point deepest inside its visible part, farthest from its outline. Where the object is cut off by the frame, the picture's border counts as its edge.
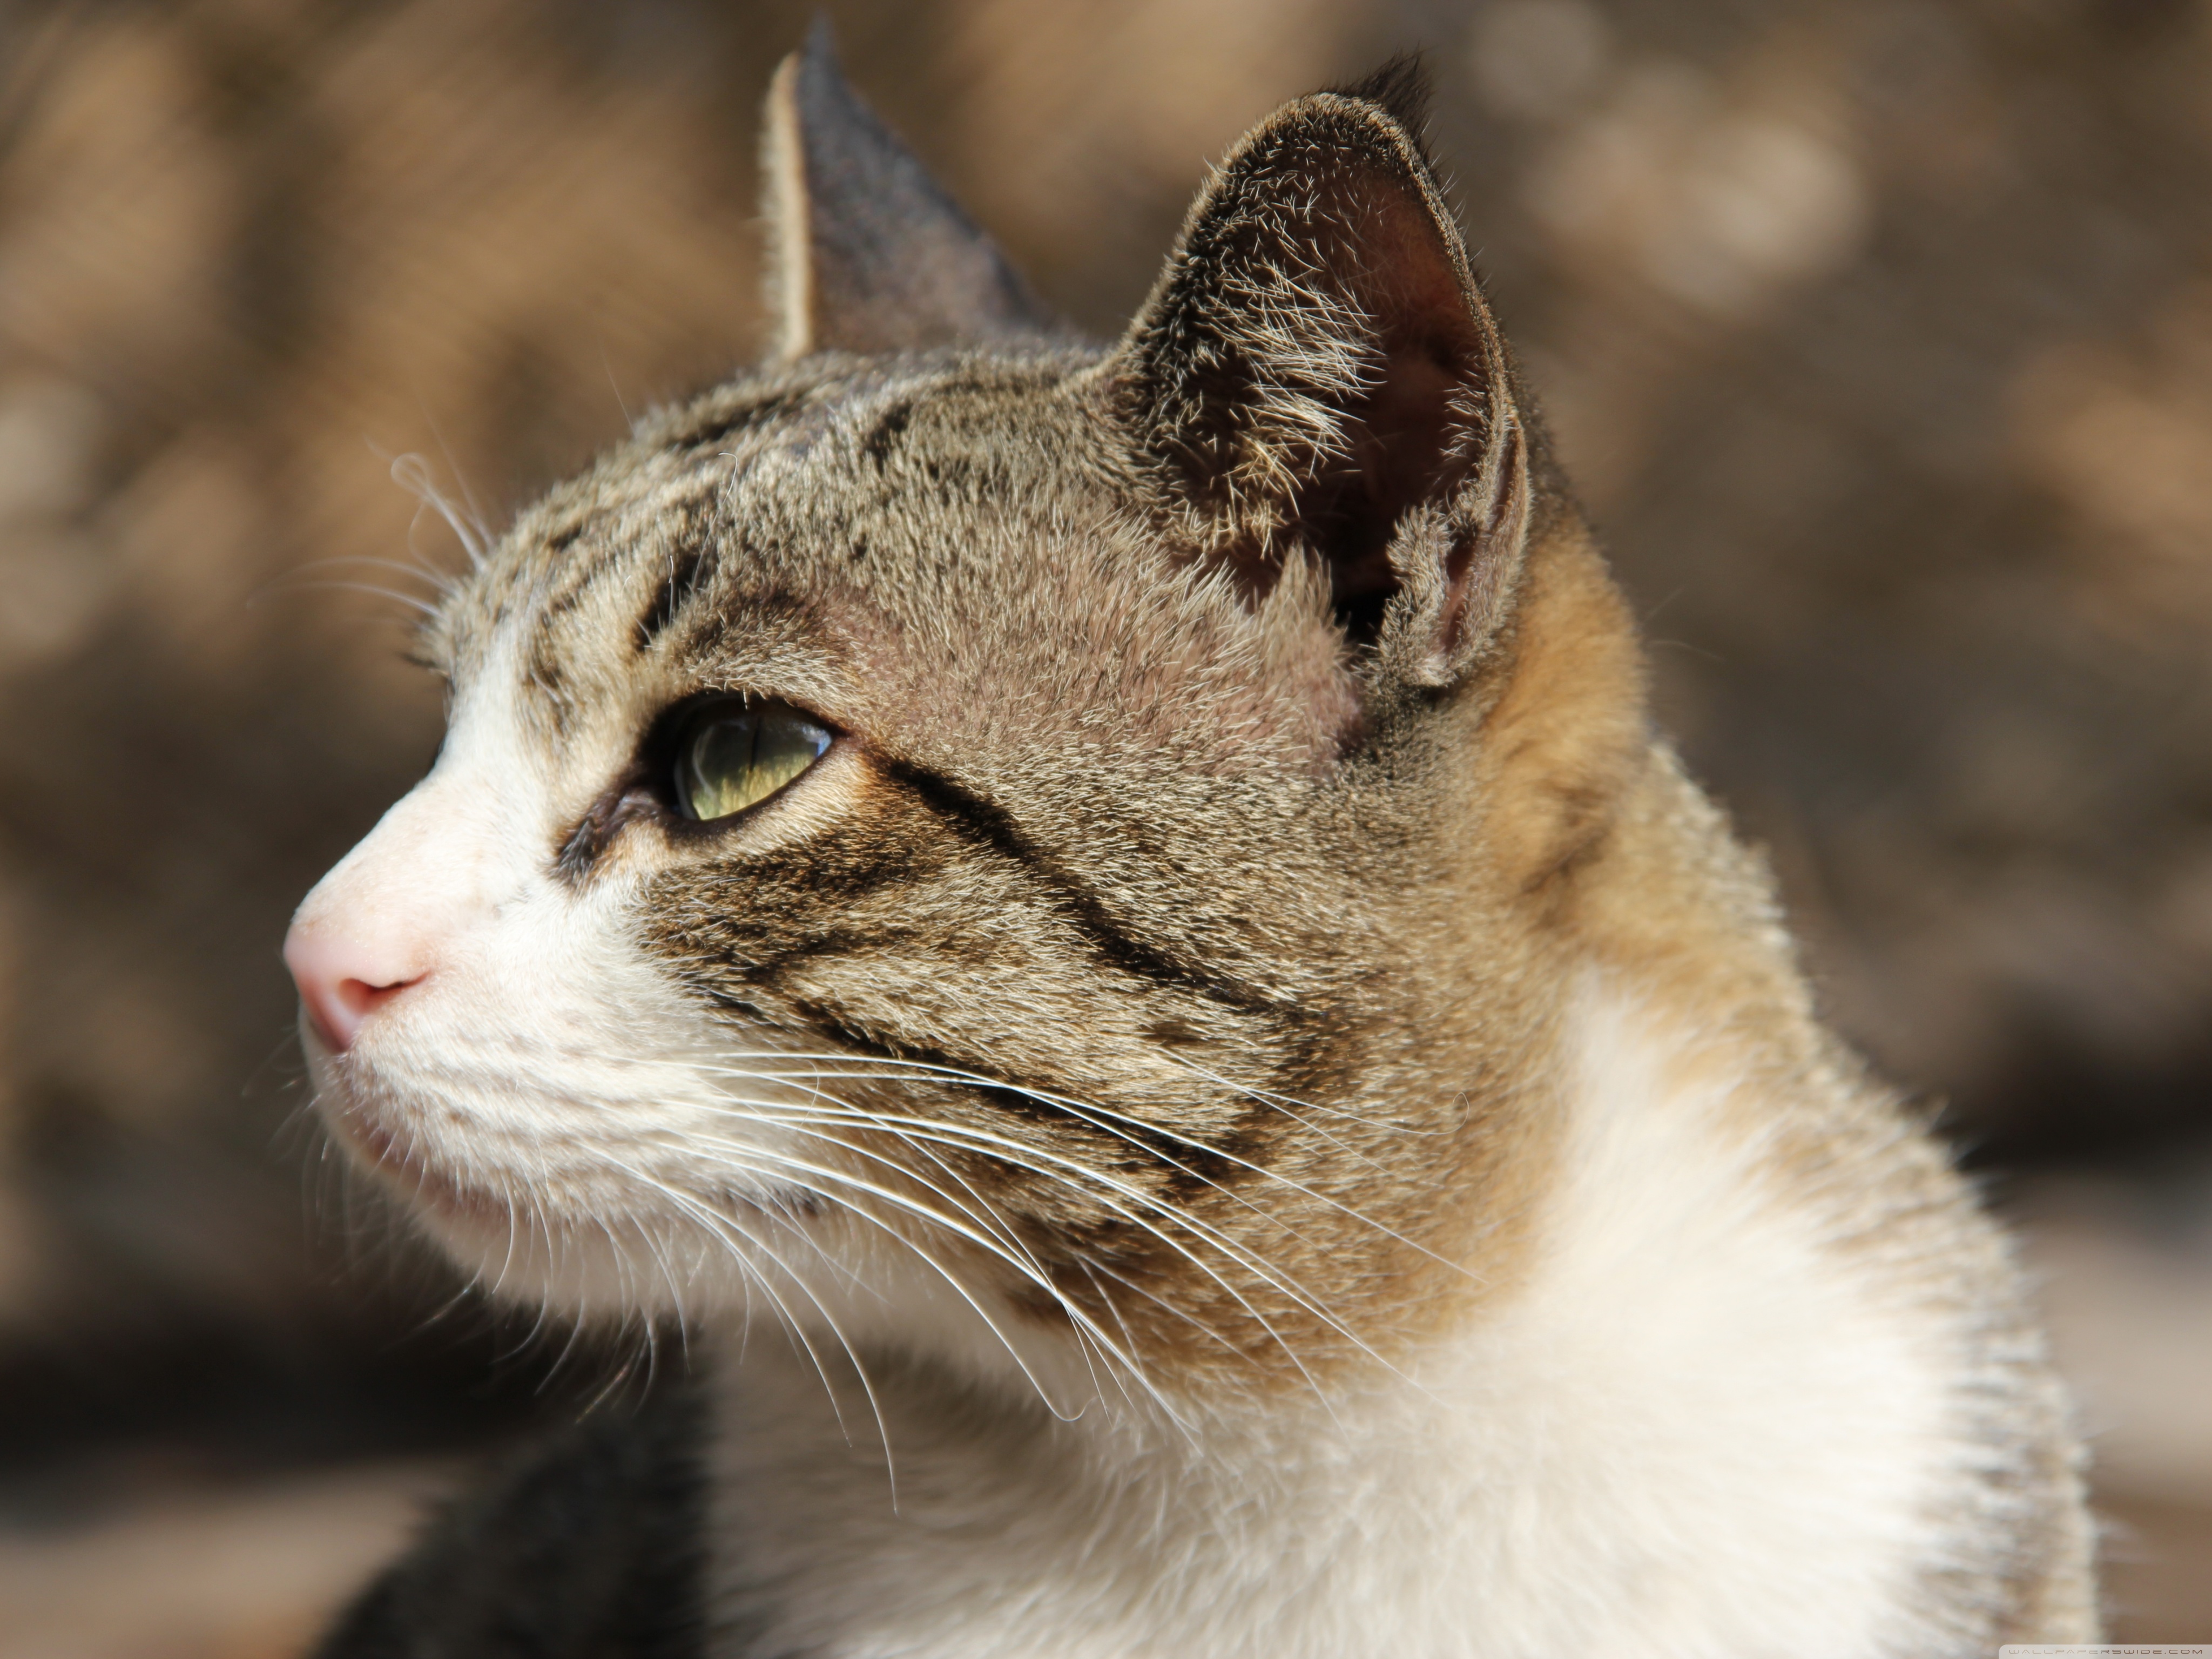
(579, 1260)
(615, 1274)
(617, 1269)
(420, 1181)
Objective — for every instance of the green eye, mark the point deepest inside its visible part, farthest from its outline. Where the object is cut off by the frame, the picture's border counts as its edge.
(732, 755)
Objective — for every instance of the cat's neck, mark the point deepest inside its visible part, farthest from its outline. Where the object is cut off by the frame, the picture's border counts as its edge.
(1649, 1333)
(1683, 1354)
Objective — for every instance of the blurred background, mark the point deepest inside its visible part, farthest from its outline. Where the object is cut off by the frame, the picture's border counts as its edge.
(1878, 334)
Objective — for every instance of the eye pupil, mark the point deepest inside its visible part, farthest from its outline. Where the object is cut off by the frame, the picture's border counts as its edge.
(733, 755)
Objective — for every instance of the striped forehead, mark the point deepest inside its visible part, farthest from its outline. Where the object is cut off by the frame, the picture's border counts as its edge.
(881, 494)
(593, 577)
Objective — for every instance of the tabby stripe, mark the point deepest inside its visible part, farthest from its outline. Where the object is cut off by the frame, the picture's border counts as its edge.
(877, 446)
(729, 424)
(825, 1021)
(984, 823)
(688, 572)
(1130, 1146)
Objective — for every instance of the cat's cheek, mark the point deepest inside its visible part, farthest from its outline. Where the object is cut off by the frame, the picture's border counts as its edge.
(533, 1161)
(537, 1093)
(520, 1249)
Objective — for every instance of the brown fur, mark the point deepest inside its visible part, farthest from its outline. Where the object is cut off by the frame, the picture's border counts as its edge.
(1244, 745)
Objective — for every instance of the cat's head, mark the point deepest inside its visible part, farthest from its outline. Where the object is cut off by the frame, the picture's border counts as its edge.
(995, 843)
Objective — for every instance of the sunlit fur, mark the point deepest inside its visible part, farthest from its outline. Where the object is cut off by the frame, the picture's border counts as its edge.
(1225, 1128)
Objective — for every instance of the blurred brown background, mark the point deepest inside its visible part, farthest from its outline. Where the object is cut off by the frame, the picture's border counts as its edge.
(1878, 334)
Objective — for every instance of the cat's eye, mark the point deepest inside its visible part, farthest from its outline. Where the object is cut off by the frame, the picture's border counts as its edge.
(731, 755)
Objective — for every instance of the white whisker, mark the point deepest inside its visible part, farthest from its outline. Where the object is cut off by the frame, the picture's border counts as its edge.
(1004, 1148)
(820, 1172)
(1085, 1111)
(1060, 1168)
(716, 1223)
(412, 473)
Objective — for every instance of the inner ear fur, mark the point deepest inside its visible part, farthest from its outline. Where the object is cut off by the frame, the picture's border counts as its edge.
(1315, 374)
(868, 253)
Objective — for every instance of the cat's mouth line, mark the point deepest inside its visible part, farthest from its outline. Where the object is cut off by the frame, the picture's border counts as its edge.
(400, 1160)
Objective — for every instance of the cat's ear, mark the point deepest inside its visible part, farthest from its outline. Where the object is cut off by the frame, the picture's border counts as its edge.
(868, 253)
(1316, 374)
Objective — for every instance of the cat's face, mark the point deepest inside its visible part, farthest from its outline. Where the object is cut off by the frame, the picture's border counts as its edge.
(1068, 828)
(959, 841)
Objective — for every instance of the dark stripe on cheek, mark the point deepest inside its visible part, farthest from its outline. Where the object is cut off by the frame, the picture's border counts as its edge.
(1115, 1139)
(986, 823)
(824, 1020)
(997, 1097)
(1103, 1148)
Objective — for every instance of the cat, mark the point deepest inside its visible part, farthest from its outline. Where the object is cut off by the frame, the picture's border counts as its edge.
(1110, 927)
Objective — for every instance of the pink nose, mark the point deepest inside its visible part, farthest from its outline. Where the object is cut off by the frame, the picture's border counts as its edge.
(344, 978)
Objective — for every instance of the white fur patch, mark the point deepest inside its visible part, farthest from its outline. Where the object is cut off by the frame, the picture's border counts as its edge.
(569, 1121)
(1698, 1429)
(1697, 1432)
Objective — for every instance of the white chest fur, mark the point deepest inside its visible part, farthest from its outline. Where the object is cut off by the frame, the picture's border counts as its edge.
(1697, 1431)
